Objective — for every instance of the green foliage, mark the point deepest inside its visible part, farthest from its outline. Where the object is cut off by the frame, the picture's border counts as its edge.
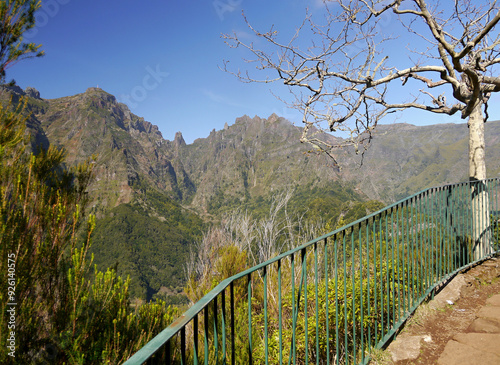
(102, 327)
(151, 250)
(17, 17)
(225, 262)
(40, 213)
(63, 313)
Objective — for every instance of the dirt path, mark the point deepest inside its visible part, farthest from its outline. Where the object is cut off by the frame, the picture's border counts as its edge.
(438, 323)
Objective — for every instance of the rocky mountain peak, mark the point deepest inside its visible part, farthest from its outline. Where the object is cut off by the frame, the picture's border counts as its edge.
(96, 92)
(179, 140)
(273, 118)
(14, 89)
(32, 92)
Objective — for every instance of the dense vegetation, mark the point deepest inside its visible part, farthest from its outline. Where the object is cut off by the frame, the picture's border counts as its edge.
(148, 249)
(62, 309)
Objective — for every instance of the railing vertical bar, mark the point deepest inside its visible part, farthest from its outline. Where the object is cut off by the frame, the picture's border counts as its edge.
(414, 249)
(483, 223)
(280, 315)
(409, 232)
(205, 329)
(464, 234)
(294, 316)
(486, 206)
(195, 340)
(471, 224)
(444, 230)
(404, 241)
(353, 283)
(439, 219)
(337, 344)
(216, 335)
(306, 327)
(468, 216)
(316, 301)
(361, 307)
(451, 230)
(492, 213)
(432, 230)
(249, 293)
(395, 264)
(183, 346)
(496, 216)
(266, 337)
(438, 236)
(415, 246)
(381, 270)
(456, 226)
(416, 242)
(425, 231)
(223, 326)
(439, 222)
(433, 233)
(327, 302)
(459, 226)
(464, 225)
(490, 216)
(368, 289)
(404, 245)
(168, 356)
(387, 277)
(450, 223)
(344, 281)
(481, 218)
(486, 217)
(445, 233)
(421, 244)
(399, 267)
(233, 334)
(375, 309)
(475, 223)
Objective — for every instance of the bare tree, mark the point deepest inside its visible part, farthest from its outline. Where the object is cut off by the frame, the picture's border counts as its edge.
(343, 81)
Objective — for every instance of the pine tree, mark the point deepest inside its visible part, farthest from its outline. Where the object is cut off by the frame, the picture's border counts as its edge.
(16, 17)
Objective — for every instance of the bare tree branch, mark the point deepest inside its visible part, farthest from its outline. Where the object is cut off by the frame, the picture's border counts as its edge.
(343, 82)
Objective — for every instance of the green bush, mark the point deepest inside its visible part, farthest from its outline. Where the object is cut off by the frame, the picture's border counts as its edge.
(62, 313)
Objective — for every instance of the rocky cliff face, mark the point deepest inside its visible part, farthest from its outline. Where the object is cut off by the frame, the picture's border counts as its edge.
(252, 158)
(245, 160)
(130, 151)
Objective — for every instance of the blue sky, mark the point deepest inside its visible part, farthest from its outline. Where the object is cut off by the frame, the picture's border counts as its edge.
(161, 58)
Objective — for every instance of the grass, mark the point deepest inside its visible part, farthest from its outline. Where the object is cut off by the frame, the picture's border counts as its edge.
(380, 357)
(420, 316)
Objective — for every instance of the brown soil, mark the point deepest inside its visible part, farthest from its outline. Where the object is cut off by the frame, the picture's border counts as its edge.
(483, 281)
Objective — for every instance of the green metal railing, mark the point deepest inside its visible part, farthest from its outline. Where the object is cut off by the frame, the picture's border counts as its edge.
(332, 300)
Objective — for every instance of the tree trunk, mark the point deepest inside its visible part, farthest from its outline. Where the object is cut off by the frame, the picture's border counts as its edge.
(481, 229)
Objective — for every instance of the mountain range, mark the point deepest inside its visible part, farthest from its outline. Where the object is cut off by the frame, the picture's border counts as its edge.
(153, 197)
